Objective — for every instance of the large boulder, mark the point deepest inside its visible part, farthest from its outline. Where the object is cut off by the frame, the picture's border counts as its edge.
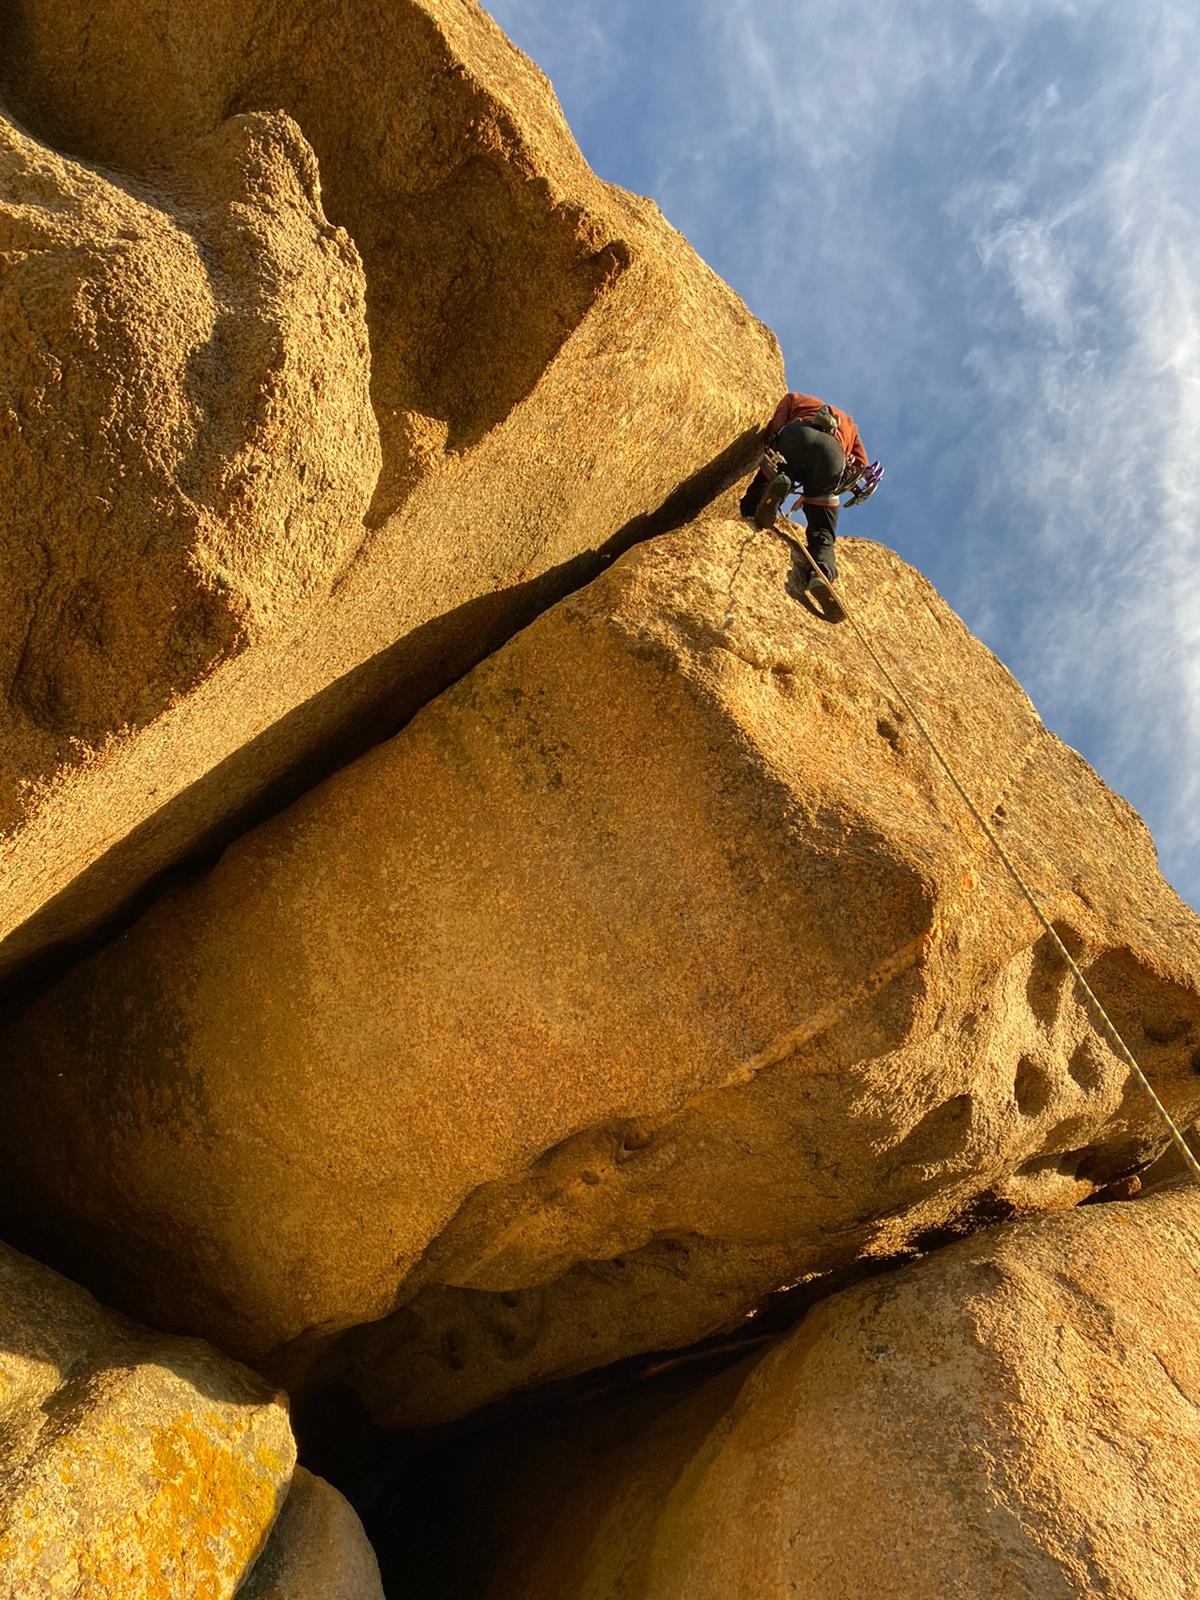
(1015, 1417)
(327, 362)
(170, 489)
(654, 968)
(318, 1550)
(132, 1466)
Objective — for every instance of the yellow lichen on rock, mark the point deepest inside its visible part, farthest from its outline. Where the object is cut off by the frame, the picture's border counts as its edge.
(131, 1466)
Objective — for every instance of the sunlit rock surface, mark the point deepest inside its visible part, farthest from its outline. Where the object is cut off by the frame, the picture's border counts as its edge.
(132, 1466)
(327, 363)
(653, 968)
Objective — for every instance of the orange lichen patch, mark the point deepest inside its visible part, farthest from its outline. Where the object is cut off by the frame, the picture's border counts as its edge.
(128, 1488)
(271, 1460)
(189, 1526)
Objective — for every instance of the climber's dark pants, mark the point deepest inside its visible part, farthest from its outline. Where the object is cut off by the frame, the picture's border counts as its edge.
(815, 461)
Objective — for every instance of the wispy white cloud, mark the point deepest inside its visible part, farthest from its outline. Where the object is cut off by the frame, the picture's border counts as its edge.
(1097, 241)
(1040, 274)
(974, 223)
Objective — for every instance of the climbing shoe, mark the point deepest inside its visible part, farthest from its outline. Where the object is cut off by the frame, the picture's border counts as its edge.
(772, 498)
(797, 581)
(821, 590)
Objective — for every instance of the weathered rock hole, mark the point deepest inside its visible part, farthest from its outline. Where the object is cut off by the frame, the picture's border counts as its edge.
(1084, 1066)
(941, 1133)
(633, 1140)
(1044, 984)
(1050, 981)
(1106, 1164)
(1068, 1131)
(1168, 1032)
(1033, 1089)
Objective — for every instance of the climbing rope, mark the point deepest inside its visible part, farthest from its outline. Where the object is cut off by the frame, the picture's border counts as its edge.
(1107, 1026)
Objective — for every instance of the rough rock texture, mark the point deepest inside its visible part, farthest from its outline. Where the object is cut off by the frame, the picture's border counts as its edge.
(1016, 1417)
(180, 475)
(318, 1550)
(1170, 1166)
(268, 480)
(132, 1467)
(652, 968)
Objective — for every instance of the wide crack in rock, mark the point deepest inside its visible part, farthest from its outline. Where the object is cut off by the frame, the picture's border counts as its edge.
(320, 341)
(1016, 1414)
(535, 1092)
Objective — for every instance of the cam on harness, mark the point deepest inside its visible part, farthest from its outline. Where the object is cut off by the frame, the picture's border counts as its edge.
(861, 483)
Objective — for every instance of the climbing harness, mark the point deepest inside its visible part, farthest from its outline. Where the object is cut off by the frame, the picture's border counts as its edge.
(1106, 1025)
(860, 482)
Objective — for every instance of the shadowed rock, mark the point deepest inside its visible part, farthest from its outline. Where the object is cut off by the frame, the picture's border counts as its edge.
(318, 1550)
(1015, 1416)
(655, 967)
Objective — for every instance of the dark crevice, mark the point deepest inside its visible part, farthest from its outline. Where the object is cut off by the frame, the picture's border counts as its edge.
(408, 1488)
(389, 690)
(418, 1491)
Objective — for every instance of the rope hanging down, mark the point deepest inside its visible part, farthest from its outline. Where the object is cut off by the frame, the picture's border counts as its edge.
(1107, 1026)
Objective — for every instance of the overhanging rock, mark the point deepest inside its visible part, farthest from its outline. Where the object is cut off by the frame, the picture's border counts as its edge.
(652, 968)
(328, 364)
(1013, 1416)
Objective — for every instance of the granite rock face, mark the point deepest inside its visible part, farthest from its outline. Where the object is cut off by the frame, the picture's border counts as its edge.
(1015, 1417)
(654, 968)
(327, 364)
(131, 1465)
(181, 471)
(646, 977)
(317, 1551)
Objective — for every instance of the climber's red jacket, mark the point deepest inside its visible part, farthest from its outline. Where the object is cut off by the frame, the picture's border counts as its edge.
(799, 407)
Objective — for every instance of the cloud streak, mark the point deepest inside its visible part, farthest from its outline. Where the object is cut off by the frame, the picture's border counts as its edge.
(974, 224)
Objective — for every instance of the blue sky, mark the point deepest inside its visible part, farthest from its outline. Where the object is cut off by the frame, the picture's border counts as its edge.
(974, 224)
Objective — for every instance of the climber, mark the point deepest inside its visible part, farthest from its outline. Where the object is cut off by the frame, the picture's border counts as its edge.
(822, 452)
